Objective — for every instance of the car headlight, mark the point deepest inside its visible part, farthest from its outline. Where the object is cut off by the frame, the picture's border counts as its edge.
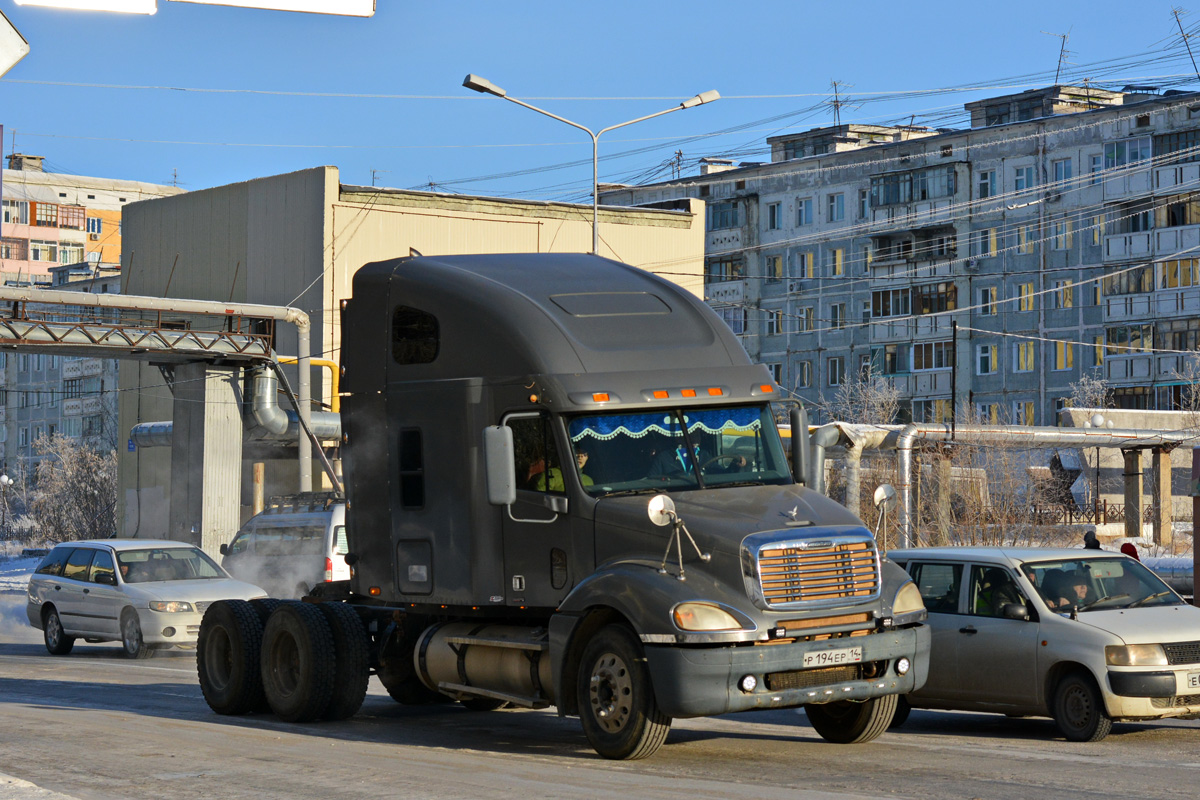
(907, 600)
(170, 606)
(1135, 655)
(704, 617)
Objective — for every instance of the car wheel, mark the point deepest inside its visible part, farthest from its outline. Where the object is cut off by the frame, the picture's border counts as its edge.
(902, 711)
(227, 657)
(132, 641)
(849, 722)
(298, 662)
(617, 709)
(57, 641)
(1079, 709)
(351, 660)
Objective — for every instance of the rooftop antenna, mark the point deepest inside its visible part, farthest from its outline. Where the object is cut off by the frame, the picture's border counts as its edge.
(1063, 52)
(837, 102)
(1176, 12)
(677, 165)
(375, 174)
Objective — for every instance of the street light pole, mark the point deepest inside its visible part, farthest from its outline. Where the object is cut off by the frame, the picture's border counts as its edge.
(485, 86)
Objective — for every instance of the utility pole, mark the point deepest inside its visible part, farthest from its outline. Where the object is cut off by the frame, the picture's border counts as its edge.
(837, 102)
(1177, 12)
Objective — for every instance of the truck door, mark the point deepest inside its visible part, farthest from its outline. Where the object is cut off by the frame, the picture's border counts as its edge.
(536, 528)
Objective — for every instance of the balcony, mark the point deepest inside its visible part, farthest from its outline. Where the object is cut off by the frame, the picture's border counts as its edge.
(1175, 240)
(1140, 367)
(1161, 303)
(91, 367)
(1126, 184)
(72, 369)
(720, 292)
(903, 329)
(929, 383)
(1183, 176)
(72, 407)
(721, 241)
(1123, 246)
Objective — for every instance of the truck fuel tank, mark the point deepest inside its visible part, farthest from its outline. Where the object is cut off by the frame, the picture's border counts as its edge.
(502, 662)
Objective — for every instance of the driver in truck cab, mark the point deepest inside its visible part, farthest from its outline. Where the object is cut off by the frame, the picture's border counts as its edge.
(676, 461)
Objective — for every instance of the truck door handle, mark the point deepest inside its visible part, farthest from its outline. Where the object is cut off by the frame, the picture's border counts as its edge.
(87, 591)
(57, 587)
(967, 629)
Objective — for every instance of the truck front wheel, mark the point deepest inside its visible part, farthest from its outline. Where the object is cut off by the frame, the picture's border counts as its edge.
(850, 722)
(617, 709)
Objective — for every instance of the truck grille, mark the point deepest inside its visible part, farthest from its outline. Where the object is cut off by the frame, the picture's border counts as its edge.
(805, 678)
(1183, 653)
(824, 572)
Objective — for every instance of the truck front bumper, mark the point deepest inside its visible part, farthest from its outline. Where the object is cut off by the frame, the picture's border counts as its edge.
(706, 681)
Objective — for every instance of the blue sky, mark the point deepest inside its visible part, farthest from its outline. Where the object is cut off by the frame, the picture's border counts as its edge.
(595, 63)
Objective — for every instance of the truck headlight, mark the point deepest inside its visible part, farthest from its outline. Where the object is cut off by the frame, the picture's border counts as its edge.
(1135, 655)
(907, 600)
(704, 617)
(170, 606)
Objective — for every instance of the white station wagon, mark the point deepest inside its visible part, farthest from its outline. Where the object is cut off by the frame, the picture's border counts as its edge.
(1084, 636)
(146, 594)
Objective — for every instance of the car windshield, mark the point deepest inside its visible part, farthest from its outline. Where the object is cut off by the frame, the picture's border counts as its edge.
(167, 564)
(1097, 583)
(678, 449)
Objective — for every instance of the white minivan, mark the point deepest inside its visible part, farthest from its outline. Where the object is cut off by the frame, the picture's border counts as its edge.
(291, 547)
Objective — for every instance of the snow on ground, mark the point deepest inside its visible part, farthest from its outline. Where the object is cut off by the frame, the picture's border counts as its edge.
(14, 577)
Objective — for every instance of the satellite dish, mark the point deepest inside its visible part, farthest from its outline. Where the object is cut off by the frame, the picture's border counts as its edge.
(661, 510)
(885, 497)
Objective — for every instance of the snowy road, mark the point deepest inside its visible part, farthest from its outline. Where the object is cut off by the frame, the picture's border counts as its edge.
(93, 725)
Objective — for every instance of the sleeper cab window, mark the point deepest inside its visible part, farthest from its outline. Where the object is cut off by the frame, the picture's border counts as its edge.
(415, 336)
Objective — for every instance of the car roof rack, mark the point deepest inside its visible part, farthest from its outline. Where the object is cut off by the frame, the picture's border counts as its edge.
(302, 502)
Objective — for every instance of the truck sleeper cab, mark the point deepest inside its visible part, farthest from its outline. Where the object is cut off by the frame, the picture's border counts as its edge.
(565, 487)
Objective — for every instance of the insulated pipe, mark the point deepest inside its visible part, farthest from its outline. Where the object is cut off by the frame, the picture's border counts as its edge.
(286, 314)
(826, 436)
(264, 389)
(1021, 436)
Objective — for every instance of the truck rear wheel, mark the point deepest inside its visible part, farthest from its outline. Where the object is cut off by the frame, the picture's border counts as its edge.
(617, 709)
(298, 662)
(850, 722)
(351, 662)
(227, 657)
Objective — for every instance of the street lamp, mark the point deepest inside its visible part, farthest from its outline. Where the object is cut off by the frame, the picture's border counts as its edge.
(485, 86)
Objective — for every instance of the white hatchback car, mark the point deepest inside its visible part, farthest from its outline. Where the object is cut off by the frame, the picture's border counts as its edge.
(1083, 636)
(146, 594)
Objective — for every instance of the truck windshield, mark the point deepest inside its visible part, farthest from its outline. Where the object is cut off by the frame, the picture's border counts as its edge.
(689, 448)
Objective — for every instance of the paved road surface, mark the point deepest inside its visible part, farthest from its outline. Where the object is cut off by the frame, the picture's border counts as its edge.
(94, 725)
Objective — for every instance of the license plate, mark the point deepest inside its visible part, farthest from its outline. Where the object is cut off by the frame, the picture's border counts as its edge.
(1193, 680)
(831, 658)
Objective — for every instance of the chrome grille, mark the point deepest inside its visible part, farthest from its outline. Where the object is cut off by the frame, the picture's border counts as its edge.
(1182, 652)
(826, 572)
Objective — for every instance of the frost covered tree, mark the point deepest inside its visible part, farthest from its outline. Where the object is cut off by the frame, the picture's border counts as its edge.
(75, 491)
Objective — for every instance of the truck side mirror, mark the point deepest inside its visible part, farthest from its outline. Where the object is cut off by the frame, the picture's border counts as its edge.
(500, 464)
(800, 446)
(224, 549)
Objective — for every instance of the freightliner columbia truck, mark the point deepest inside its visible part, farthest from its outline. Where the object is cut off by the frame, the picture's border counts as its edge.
(565, 487)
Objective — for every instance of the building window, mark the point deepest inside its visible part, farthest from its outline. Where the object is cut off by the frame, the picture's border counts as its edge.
(803, 374)
(837, 316)
(95, 225)
(1127, 152)
(807, 319)
(1097, 227)
(932, 355)
(1026, 238)
(1063, 295)
(723, 215)
(836, 207)
(774, 267)
(1024, 178)
(93, 425)
(1064, 355)
(774, 322)
(16, 212)
(835, 368)
(15, 249)
(1096, 168)
(987, 184)
(934, 298)
(72, 217)
(774, 216)
(725, 269)
(72, 388)
(804, 211)
(70, 253)
(866, 256)
(45, 215)
(983, 243)
(804, 265)
(735, 318)
(1023, 356)
(1178, 148)
(987, 301)
(988, 413)
(1098, 351)
(1183, 209)
(1062, 172)
(1125, 339)
(1023, 413)
(1179, 274)
(986, 359)
(998, 114)
(834, 262)
(43, 251)
(776, 371)
(936, 411)
(1063, 235)
(1129, 281)
(864, 204)
(891, 303)
(1025, 297)
(891, 359)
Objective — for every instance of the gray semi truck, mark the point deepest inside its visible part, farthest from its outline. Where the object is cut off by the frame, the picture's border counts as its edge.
(565, 487)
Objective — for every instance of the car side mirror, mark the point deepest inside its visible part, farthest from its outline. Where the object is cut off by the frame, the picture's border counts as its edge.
(107, 578)
(224, 549)
(1014, 611)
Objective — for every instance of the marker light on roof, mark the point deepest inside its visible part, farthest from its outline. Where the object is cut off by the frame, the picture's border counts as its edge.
(600, 397)
(689, 392)
(660, 394)
(715, 392)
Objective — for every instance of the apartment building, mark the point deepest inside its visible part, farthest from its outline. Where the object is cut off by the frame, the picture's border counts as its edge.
(992, 266)
(64, 232)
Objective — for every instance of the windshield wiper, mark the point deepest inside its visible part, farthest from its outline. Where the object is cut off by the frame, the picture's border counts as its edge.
(735, 483)
(1104, 599)
(627, 492)
(1149, 597)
